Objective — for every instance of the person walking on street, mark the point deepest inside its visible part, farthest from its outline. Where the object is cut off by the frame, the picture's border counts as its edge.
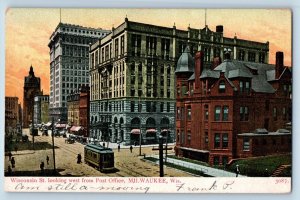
(131, 148)
(9, 170)
(9, 156)
(79, 158)
(42, 165)
(237, 171)
(119, 147)
(47, 158)
(13, 162)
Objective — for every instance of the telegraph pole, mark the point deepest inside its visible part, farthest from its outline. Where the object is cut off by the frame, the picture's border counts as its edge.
(53, 150)
(140, 110)
(161, 161)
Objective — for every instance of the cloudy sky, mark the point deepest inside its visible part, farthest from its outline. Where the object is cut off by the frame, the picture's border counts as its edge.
(28, 30)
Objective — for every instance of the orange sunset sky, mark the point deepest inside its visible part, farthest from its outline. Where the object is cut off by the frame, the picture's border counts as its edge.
(27, 32)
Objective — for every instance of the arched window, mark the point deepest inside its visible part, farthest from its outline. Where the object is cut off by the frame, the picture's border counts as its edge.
(121, 120)
(116, 120)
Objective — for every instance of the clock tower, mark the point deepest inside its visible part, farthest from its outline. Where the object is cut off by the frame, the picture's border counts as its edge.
(32, 87)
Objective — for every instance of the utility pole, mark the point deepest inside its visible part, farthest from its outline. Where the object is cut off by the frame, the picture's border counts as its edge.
(53, 150)
(161, 161)
(140, 110)
(32, 124)
(166, 145)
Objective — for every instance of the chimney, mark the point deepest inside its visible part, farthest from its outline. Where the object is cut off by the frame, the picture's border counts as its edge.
(198, 69)
(279, 64)
(216, 61)
(219, 29)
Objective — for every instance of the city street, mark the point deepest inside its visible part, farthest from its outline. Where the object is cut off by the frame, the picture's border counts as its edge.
(128, 164)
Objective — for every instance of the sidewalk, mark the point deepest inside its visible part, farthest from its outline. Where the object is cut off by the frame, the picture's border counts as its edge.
(206, 170)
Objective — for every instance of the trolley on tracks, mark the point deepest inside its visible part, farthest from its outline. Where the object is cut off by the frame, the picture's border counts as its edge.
(100, 157)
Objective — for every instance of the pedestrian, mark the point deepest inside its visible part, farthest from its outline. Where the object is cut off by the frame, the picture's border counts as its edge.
(9, 170)
(237, 171)
(47, 158)
(13, 162)
(131, 148)
(16, 149)
(42, 165)
(119, 147)
(79, 158)
(9, 156)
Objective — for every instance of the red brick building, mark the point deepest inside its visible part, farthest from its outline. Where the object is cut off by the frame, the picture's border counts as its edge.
(217, 105)
(78, 105)
(84, 109)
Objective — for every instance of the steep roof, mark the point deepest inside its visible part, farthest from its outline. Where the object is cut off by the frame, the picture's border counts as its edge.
(259, 73)
(185, 62)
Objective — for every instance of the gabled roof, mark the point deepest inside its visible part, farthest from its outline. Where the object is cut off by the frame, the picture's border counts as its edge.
(241, 72)
(207, 73)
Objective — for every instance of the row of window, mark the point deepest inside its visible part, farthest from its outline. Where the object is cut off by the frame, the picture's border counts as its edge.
(150, 106)
(256, 141)
(221, 113)
(251, 56)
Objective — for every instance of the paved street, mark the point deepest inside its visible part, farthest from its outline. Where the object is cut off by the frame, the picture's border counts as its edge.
(128, 164)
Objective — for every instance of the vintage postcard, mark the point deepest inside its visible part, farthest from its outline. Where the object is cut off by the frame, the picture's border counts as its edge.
(148, 100)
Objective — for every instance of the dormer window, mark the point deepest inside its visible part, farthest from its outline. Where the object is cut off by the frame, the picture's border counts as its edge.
(245, 87)
(222, 87)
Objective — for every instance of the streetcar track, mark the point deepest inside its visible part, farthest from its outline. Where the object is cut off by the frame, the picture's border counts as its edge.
(125, 169)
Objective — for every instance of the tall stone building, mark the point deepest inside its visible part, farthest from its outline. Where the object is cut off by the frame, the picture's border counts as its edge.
(69, 64)
(41, 109)
(32, 87)
(233, 109)
(132, 76)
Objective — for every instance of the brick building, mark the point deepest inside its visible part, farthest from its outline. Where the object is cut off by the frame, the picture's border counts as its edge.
(78, 110)
(84, 109)
(132, 76)
(11, 112)
(218, 108)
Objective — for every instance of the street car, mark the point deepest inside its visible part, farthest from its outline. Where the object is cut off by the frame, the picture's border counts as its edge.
(99, 157)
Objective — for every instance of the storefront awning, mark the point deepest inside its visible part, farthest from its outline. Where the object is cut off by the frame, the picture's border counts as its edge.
(165, 130)
(75, 128)
(60, 125)
(48, 124)
(135, 131)
(196, 150)
(151, 130)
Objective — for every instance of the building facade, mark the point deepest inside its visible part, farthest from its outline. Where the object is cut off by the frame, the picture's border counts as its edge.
(69, 64)
(41, 109)
(132, 76)
(84, 109)
(73, 108)
(32, 88)
(78, 110)
(11, 112)
(219, 109)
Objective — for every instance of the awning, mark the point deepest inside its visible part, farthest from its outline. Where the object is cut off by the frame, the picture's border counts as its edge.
(75, 128)
(60, 125)
(151, 130)
(48, 124)
(135, 131)
(196, 150)
(165, 130)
